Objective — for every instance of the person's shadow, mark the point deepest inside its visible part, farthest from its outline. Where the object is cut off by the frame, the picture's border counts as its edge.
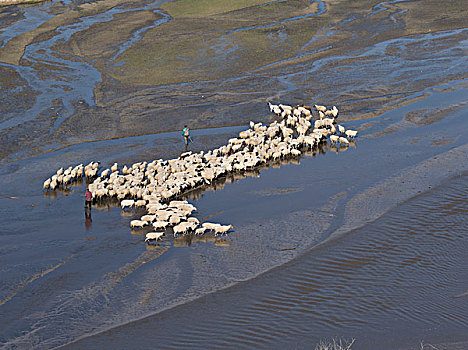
(88, 219)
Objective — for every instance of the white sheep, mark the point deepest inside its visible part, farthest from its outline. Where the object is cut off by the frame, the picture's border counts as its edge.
(153, 236)
(351, 133)
(210, 226)
(334, 138)
(160, 224)
(320, 108)
(344, 140)
(138, 223)
(140, 203)
(148, 218)
(127, 203)
(194, 220)
(334, 111)
(183, 228)
(200, 230)
(46, 184)
(222, 229)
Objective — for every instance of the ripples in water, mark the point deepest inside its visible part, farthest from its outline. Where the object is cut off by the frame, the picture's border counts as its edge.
(397, 280)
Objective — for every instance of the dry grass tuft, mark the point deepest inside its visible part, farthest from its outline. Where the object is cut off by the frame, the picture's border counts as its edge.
(335, 344)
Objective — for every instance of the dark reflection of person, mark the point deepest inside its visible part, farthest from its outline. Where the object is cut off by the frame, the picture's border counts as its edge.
(88, 219)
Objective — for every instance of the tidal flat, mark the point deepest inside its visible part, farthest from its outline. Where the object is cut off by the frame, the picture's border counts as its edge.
(365, 242)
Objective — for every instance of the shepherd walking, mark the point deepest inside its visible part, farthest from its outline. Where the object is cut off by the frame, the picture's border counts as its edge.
(186, 135)
(88, 199)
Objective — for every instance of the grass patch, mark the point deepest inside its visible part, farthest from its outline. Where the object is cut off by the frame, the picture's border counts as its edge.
(335, 344)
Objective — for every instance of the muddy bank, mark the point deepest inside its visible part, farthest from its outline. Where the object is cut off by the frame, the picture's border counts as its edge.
(223, 71)
(391, 276)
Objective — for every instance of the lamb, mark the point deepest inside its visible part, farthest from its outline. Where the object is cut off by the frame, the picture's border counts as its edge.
(153, 236)
(200, 230)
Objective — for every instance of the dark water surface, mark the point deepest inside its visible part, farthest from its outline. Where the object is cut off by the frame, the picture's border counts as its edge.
(394, 282)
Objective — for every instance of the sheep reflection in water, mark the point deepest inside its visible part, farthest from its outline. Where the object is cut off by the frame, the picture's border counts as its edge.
(188, 240)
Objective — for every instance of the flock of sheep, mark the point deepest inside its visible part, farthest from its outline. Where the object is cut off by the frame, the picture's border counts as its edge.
(156, 185)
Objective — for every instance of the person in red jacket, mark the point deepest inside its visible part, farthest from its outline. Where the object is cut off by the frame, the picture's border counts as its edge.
(88, 198)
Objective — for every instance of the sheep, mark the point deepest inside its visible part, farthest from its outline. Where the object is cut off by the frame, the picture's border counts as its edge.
(174, 219)
(127, 203)
(184, 227)
(210, 226)
(274, 108)
(138, 223)
(351, 133)
(53, 184)
(320, 108)
(200, 230)
(334, 138)
(334, 111)
(160, 224)
(148, 218)
(222, 229)
(153, 236)
(46, 184)
(194, 220)
(114, 167)
(140, 203)
(344, 140)
(341, 129)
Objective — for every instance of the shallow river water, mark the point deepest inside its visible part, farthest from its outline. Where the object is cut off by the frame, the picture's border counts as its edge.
(366, 242)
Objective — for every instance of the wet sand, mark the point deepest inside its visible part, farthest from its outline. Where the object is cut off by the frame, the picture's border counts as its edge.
(402, 275)
(319, 243)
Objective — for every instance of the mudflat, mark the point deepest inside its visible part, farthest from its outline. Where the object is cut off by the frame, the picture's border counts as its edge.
(335, 240)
